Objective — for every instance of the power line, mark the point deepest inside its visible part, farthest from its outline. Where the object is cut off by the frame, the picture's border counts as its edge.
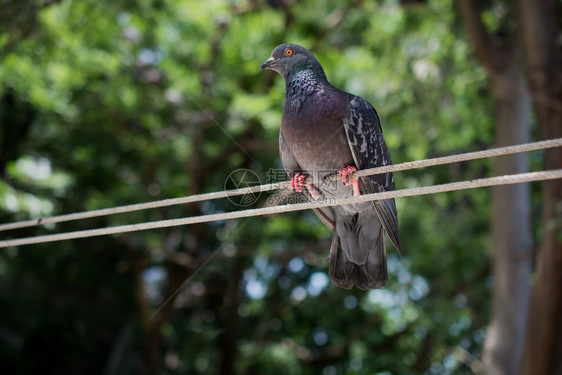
(423, 190)
(279, 185)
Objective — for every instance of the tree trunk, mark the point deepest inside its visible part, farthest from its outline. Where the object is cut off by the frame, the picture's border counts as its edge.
(228, 340)
(543, 343)
(511, 227)
(511, 232)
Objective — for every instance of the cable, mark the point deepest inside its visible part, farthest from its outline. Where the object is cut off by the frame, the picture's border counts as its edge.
(279, 185)
(423, 190)
(494, 152)
(141, 206)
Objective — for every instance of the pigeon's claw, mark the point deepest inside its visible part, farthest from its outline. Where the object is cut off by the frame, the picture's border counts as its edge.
(345, 172)
(297, 184)
(350, 181)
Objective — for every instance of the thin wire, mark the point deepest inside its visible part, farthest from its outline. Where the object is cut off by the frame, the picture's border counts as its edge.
(279, 185)
(190, 278)
(325, 202)
(165, 66)
(186, 281)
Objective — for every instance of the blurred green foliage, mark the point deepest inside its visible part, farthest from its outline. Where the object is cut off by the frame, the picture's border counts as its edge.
(107, 103)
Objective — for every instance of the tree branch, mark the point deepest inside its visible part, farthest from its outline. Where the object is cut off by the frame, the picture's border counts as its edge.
(537, 23)
(486, 50)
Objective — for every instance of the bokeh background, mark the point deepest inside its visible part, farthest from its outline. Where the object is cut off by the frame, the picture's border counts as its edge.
(105, 103)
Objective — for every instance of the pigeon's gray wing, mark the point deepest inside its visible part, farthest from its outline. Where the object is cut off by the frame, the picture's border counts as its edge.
(292, 167)
(365, 139)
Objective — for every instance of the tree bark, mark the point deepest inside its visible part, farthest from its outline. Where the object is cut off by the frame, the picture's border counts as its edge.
(229, 338)
(543, 343)
(511, 227)
(511, 233)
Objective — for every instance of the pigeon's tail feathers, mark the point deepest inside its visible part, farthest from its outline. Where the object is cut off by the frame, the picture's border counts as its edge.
(358, 253)
(373, 274)
(342, 272)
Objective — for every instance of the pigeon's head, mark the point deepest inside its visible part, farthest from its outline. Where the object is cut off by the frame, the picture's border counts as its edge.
(288, 58)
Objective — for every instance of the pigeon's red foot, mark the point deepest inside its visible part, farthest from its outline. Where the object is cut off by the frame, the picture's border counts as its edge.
(345, 172)
(297, 184)
(350, 181)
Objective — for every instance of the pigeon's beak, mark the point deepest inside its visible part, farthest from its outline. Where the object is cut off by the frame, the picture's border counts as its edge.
(270, 62)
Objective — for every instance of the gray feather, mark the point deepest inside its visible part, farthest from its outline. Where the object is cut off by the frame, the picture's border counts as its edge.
(358, 253)
(365, 139)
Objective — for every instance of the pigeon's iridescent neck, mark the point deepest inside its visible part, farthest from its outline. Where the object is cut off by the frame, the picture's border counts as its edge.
(305, 83)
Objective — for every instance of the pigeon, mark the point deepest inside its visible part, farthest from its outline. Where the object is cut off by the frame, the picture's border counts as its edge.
(325, 131)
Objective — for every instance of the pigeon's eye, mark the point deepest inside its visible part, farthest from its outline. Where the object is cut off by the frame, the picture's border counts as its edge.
(288, 52)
